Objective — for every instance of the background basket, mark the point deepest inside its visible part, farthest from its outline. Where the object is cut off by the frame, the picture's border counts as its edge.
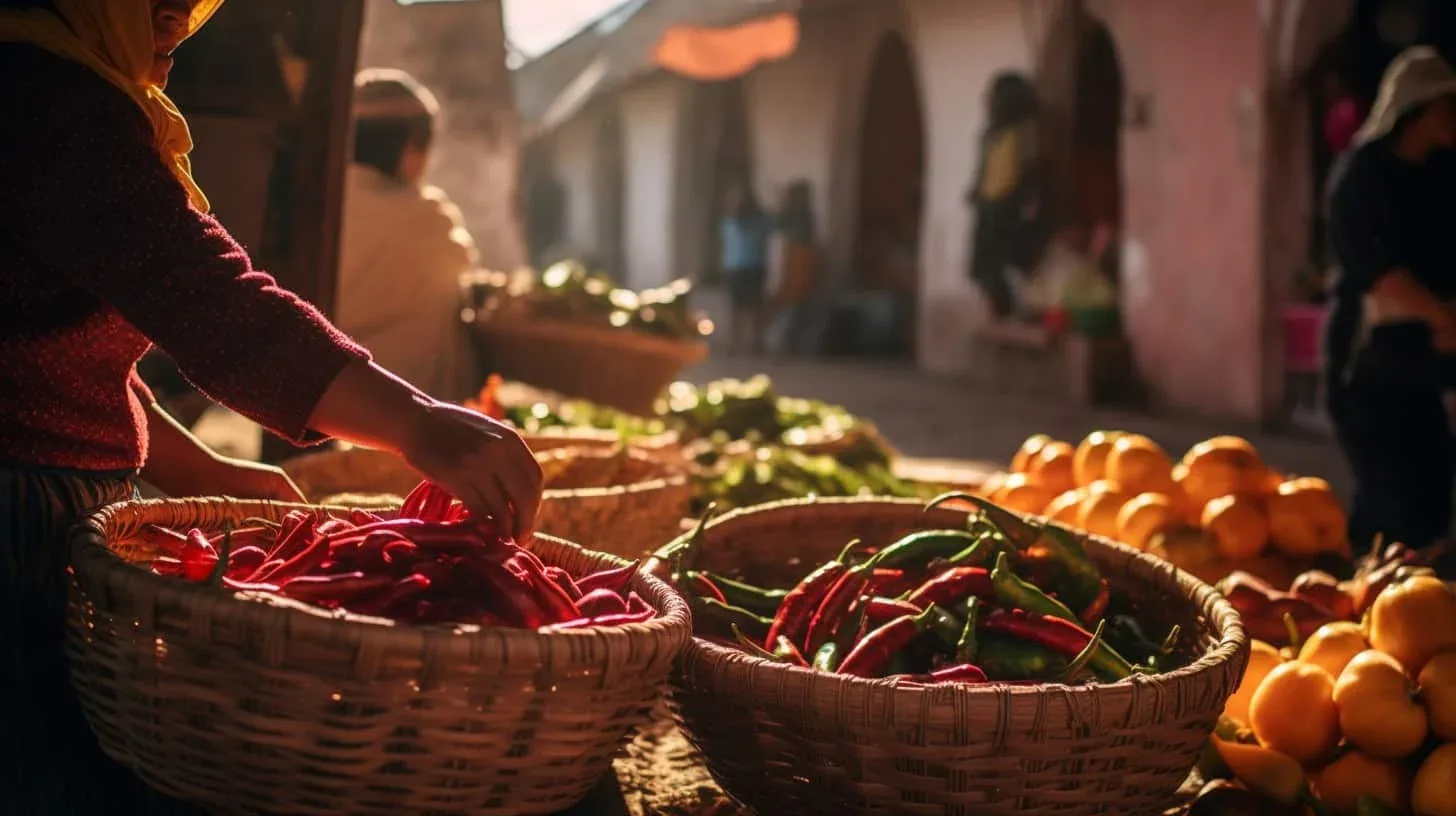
(666, 444)
(626, 370)
(626, 506)
(789, 740)
(249, 707)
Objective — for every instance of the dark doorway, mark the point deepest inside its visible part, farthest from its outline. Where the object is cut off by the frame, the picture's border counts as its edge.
(730, 158)
(1096, 131)
(891, 194)
(611, 193)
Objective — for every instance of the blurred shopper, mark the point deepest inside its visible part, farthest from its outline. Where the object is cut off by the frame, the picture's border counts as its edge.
(107, 249)
(746, 229)
(799, 243)
(1392, 330)
(404, 246)
(1006, 193)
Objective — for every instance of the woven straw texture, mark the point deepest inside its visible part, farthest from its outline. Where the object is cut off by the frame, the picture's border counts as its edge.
(246, 706)
(789, 740)
(665, 445)
(625, 506)
(626, 370)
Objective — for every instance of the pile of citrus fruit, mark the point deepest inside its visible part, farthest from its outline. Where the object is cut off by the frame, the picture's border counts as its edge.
(1360, 718)
(1126, 487)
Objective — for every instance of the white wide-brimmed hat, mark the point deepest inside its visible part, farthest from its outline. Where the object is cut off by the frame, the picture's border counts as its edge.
(1416, 77)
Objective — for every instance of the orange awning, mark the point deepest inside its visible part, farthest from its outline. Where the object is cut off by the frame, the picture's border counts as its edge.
(709, 54)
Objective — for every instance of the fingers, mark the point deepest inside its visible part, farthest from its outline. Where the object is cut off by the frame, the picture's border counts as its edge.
(517, 475)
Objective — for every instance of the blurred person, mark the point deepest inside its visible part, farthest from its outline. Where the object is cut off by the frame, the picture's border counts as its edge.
(746, 229)
(108, 248)
(1005, 192)
(1342, 116)
(404, 244)
(1391, 333)
(800, 250)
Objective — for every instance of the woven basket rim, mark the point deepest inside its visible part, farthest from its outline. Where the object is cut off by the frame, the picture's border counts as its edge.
(670, 480)
(88, 543)
(1232, 636)
(687, 350)
(590, 434)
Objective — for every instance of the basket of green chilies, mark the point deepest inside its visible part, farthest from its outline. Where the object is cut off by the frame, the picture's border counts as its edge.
(238, 696)
(876, 656)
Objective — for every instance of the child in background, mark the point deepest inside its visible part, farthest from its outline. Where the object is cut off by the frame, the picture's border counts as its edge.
(798, 232)
(745, 230)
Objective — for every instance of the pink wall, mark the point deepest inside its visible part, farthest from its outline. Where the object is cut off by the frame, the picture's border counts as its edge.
(1195, 303)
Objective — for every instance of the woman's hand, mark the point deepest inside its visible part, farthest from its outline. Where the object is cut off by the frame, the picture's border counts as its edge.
(483, 462)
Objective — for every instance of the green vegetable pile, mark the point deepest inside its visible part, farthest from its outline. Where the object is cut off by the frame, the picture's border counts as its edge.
(570, 291)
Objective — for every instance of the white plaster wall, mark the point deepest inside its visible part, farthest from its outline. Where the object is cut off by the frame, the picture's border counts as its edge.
(959, 45)
(650, 114)
(575, 151)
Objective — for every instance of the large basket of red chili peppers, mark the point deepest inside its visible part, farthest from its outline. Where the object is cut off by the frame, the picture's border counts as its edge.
(268, 658)
(876, 656)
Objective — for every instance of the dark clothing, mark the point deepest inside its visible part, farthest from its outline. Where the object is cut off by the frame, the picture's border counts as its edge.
(746, 286)
(59, 768)
(102, 255)
(994, 254)
(1385, 382)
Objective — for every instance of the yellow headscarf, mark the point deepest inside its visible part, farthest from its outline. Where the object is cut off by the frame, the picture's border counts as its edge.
(114, 39)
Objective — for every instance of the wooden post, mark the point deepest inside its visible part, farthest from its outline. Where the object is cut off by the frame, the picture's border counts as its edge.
(329, 40)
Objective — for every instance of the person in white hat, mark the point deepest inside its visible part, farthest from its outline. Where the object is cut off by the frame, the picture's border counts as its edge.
(404, 244)
(1391, 334)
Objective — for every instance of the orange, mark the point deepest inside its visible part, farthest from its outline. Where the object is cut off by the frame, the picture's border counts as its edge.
(1098, 513)
(1238, 524)
(1342, 783)
(1139, 465)
(1021, 460)
(1378, 709)
(1263, 659)
(1063, 509)
(1438, 691)
(1294, 712)
(1222, 466)
(1192, 512)
(1333, 645)
(1144, 517)
(1434, 782)
(992, 485)
(1411, 621)
(1306, 519)
(1090, 462)
(1051, 467)
(1023, 495)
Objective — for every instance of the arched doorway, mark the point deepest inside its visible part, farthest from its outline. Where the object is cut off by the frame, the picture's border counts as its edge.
(891, 196)
(611, 192)
(1096, 152)
(729, 159)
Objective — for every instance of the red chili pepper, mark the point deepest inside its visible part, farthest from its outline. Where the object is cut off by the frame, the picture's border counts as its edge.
(332, 527)
(1060, 636)
(600, 602)
(398, 550)
(163, 539)
(1098, 607)
(891, 582)
(388, 602)
(246, 560)
(837, 604)
(563, 579)
(165, 565)
(361, 517)
(513, 599)
(953, 586)
(337, 589)
(555, 600)
(607, 620)
(198, 557)
(266, 567)
(296, 533)
(961, 673)
(635, 604)
(249, 586)
(796, 613)
(415, 501)
(703, 586)
(884, 610)
(307, 560)
(872, 655)
(786, 650)
(614, 579)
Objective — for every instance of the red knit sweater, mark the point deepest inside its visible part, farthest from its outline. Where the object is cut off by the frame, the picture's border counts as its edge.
(101, 255)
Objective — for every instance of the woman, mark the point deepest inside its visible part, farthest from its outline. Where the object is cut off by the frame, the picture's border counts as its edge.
(746, 230)
(404, 245)
(107, 249)
(1391, 330)
(798, 233)
(1004, 194)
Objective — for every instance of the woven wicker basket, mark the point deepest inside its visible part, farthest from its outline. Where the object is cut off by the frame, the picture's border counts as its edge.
(789, 740)
(625, 507)
(243, 706)
(666, 445)
(626, 370)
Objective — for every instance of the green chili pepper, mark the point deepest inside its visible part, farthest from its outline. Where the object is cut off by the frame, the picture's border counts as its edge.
(684, 555)
(919, 549)
(718, 618)
(1019, 594)
(966, 645)
(1006, 658)
(827, 658)
(1023, 535)
(753, 648)
(754, 599)
(980, 554)
(1084, 657)
(947, 627)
